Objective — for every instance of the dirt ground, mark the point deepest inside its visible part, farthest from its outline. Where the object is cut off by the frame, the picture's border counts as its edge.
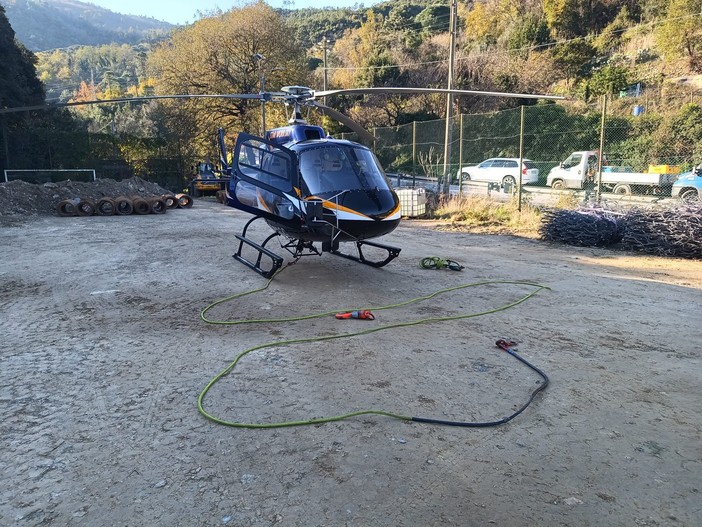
(104, 355)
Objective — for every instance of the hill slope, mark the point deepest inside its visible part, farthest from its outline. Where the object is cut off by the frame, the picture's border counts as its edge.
(49, 24)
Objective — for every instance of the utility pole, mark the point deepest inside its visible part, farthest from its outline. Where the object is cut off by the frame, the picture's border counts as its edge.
(262, 74)
(449, 102)
(326, 78)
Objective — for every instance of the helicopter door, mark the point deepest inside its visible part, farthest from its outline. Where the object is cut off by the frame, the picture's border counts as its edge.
(265, 178)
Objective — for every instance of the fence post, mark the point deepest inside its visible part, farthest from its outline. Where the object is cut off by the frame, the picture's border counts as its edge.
(5, 142)
(601, 153)
(414, 149)
(521, 158)
(460, 156)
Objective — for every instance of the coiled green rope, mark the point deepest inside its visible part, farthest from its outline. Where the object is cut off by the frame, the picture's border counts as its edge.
(230, 367)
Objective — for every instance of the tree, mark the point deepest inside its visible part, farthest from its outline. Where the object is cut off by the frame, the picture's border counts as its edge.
(572, 57)
(680, 35)
(609, 79)
(434, 19)
(19, 85)
(686, 127)
(561, 17)
(529, 31)
(488, 21)
(572, 18)
(225, 54)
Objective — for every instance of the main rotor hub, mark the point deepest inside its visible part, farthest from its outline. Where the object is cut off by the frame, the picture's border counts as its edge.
(299, 92)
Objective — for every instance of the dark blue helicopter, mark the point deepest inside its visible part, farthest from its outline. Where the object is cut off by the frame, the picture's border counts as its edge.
(310, 189)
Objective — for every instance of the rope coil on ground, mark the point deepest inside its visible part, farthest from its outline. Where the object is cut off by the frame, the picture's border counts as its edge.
(434, 262)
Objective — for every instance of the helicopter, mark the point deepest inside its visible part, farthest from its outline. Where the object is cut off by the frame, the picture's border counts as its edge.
(314, 191)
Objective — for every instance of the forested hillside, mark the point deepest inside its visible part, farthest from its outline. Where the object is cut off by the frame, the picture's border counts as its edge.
(581, 49)
(49, 24)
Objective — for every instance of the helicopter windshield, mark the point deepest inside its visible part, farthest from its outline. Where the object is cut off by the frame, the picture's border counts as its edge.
(332, 168)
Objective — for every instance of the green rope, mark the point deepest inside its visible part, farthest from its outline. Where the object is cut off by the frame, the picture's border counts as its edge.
(230, 367)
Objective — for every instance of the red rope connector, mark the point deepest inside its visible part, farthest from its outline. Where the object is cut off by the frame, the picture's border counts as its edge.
(365, 315)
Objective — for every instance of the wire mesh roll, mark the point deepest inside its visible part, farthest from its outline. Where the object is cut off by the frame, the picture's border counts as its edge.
(675, 231)
(585, 228)
(667, 232)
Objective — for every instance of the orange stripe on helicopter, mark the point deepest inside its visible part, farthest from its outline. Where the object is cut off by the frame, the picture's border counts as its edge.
(261, 201)
(334, 206)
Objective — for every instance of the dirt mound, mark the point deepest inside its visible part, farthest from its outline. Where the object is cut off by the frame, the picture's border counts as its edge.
(19, 198)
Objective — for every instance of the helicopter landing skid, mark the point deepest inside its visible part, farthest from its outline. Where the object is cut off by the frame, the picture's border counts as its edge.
(276, 261)
(261, 251)
(393, 252)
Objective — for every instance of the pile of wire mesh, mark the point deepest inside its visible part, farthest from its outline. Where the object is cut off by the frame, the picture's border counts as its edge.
(674, 231)
(585, 227)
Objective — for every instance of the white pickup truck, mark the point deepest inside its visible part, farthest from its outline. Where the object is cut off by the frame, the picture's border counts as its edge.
(580, 171)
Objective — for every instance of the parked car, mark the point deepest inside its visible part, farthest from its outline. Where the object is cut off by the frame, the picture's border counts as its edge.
(688, 187)
(502, 170)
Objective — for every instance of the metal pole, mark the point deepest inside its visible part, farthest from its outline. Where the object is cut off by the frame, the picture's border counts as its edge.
(260, 59)
(5, 142)
(414, 147)
(449, 102)
(601, 152)
(326, 78)
(460, 155)
(521, 159)
(263, 103)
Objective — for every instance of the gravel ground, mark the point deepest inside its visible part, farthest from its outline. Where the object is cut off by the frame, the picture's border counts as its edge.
(104, 355)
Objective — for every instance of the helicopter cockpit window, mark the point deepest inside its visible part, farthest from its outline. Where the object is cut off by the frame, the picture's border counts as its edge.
(330, 169)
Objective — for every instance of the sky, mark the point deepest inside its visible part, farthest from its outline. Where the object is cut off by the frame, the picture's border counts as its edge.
(184, 11)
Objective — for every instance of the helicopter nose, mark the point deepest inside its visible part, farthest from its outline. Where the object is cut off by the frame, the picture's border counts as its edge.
(375, 203)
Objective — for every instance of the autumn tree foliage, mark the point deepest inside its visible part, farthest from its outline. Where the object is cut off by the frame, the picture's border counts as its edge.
(680, 34)
(226, 54)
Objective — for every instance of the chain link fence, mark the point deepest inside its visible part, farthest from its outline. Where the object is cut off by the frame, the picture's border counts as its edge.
(110, 156)
(633, 140)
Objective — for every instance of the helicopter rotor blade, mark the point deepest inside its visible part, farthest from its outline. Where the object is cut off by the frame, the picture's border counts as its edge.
(367, 91)
(133, 99)
(363, 134)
